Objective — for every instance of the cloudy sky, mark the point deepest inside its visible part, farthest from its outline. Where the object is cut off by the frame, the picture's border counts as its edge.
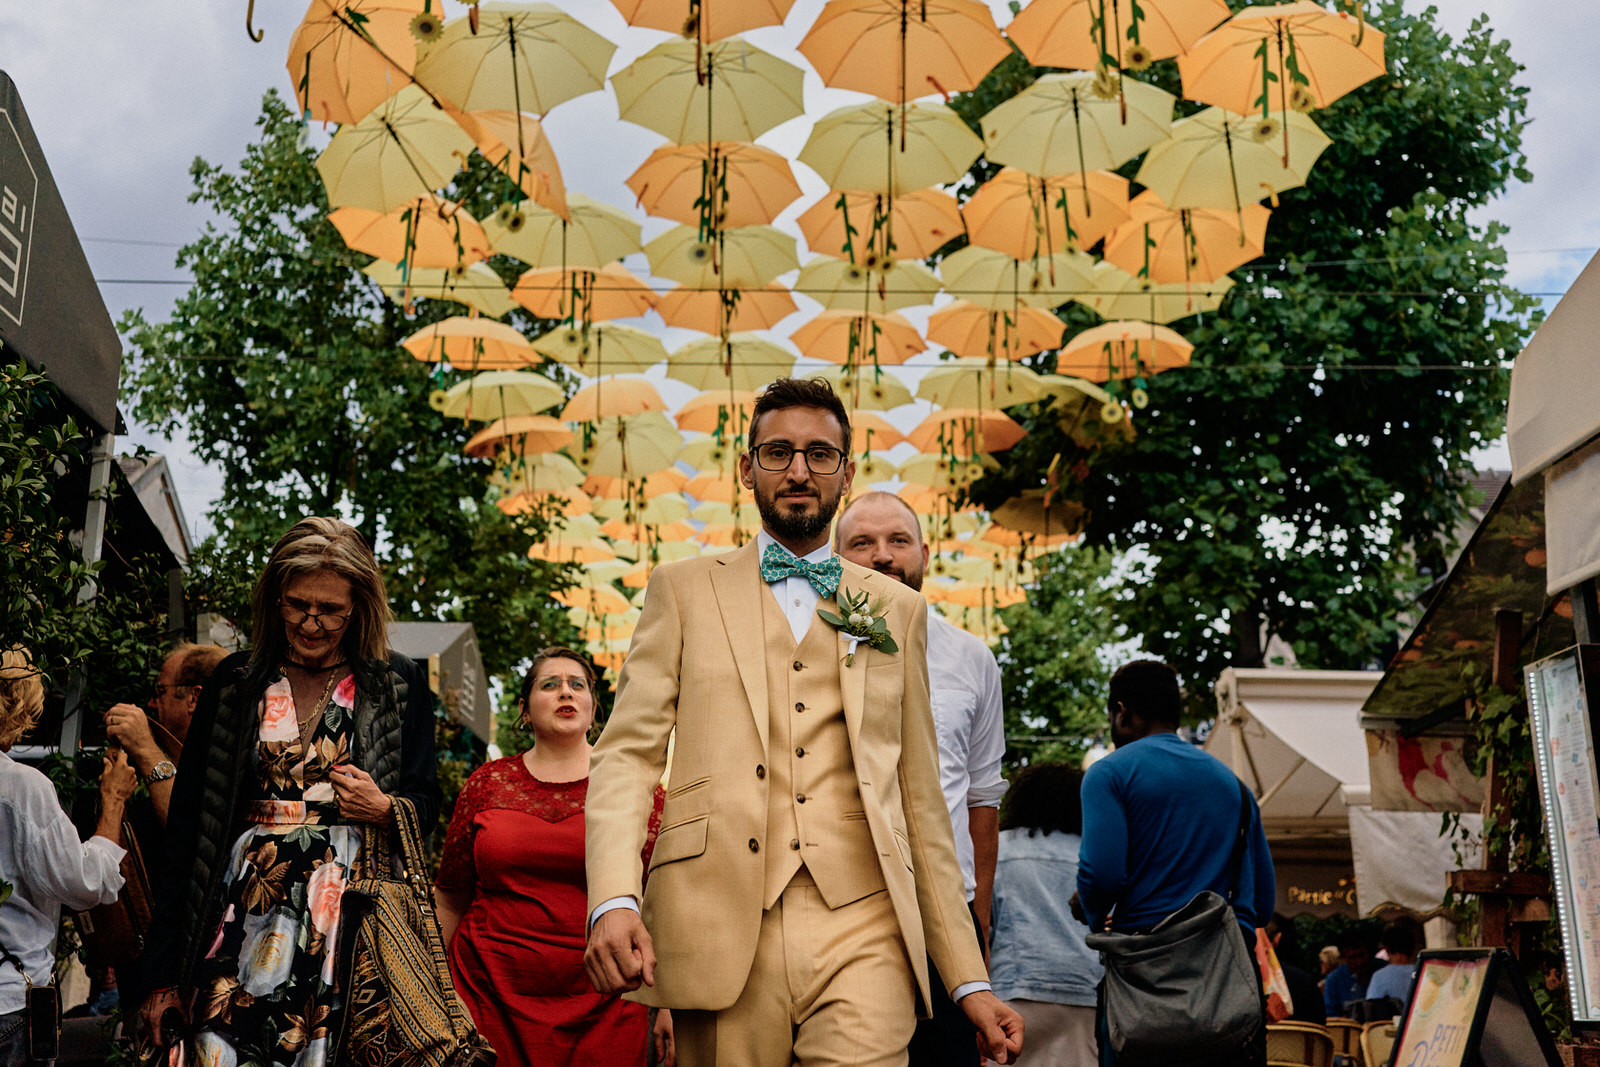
(124, 96)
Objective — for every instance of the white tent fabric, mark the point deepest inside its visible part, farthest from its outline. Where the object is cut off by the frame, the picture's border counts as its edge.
(1572, 518)
(1402, 859)
(1555, 391)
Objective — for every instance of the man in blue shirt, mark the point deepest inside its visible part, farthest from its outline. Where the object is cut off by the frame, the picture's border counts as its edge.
(1160, 817)
(1347, 983)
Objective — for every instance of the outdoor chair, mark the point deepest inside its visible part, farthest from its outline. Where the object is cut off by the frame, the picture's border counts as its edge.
(1346, 1039)
(1377, 1041)
(1292, 1044)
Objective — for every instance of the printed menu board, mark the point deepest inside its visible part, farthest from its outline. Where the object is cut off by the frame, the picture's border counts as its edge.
(1563, 734)
(1444, 1005)
(1471, 1008)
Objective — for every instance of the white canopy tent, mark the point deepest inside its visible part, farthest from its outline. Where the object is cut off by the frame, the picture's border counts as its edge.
(1294, 737)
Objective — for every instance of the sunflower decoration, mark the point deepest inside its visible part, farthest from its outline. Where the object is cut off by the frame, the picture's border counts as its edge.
(1107, 86)
(427, 26)
(1265, 129)
(1111, 412)
(699, 252)
(1137, 57)
(1302, 99)
(510, 216)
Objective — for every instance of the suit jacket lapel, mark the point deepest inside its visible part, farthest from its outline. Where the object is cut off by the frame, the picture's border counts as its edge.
(853, 679)
(739, 588)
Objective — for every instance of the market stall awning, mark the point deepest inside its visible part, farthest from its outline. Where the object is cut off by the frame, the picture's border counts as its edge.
(449, 650)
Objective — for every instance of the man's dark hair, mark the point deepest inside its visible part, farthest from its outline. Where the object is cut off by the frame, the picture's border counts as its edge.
(1399, 937)
(800, 393)
(1044, 796)
(1282, 927)
(1149, 689)
(1355, 937)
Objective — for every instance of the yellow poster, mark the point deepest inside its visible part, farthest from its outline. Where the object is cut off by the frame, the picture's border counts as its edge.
(1442, 1010)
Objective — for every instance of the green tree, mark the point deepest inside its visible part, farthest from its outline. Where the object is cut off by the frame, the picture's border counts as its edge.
(281, 363)
(1306, 472)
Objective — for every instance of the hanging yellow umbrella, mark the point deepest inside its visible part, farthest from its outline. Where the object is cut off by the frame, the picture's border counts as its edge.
(743, 362)
(404, 148)
(970, 330)
(612, 396)
(1216, 159)
(709, 454)
(978, 384)
(710, 20)
(514, 57)
(722, 183)
(517, 146)
(889, 148)
(472, 344)
(899, 50)
(425, 232)
(851, 337)
(865, 387)
(1024, 216)
(661, 483)
(995, 281)
(1118, 350)
(1287, 57)
(727, 310)
(604, 348)
(1062, 33)
(919, 223)
(1081, 408)
(612, 292)
(348, 56)
(629, 446)
(475, 285)
(727, 91)
(839, 285)
(1116, 294)
(872, 469)
(544, 472)
(738, 258)
(945, 472)
(964, 432)
(596, 233)
(1069, 124)
(655, 511)
(518, 435)
(496, 395)
(1185, 244)
(1039, 523)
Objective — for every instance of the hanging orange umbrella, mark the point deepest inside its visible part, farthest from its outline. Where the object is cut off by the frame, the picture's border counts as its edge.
(710, 20)
(1123, 350)
(659, 483)
(1294, 56)
(851, 337)
(720, 183)
(899, 50)
(1186, 245)
(425, 232)
(516, 144)
(710, 412)
(612, 292)
(472, 344)
(1025, 216)
(872, 431)
(1062, 33)
(919, 223)
(717, 487)
(348, 56)
(965, 432)
(518, 435)
(722, 311)
(612, 396)
(969, 330)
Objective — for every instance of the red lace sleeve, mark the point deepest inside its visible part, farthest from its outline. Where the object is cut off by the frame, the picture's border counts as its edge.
(658, 801)
(458, 869)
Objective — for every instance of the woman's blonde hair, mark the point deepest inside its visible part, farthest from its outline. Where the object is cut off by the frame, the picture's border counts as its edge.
(317, 544)
(21, 695)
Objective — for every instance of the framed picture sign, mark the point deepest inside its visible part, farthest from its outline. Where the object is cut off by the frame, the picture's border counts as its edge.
(1471, 1008)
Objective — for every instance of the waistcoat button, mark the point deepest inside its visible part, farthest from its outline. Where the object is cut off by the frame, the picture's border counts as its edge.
(794, 843)
(798, 665)
(799, 707)
(755, 846)
(799, 752)
(800, 798)
(761, 771)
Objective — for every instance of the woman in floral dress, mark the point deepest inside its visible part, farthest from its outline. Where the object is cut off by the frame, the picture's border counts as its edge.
(294, 747)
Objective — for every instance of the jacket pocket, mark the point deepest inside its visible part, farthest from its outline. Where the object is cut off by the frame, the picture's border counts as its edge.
(903, 843)
(679, 790)
(680, 842)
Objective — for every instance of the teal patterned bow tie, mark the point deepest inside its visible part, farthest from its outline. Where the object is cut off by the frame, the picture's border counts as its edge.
(777, 563)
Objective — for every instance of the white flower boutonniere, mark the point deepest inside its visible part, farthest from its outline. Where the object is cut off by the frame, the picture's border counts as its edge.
(862, 622)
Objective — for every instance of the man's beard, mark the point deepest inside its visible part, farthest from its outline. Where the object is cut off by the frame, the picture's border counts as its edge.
(903, 577)
(796, 527)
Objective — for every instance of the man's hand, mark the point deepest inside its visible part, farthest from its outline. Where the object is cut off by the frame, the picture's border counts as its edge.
(999, 1027)
(620, 953)
(129, 727)
(661, 1034)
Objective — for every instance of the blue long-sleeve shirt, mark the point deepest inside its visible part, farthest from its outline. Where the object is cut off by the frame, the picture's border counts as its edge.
(1159, 819)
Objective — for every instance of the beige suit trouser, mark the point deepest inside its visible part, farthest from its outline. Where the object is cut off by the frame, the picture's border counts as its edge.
(829, 988)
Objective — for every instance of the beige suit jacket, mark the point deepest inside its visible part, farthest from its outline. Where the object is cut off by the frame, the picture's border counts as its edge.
(697, 666)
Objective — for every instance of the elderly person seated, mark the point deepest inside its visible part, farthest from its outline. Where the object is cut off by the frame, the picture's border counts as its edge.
(42, 862)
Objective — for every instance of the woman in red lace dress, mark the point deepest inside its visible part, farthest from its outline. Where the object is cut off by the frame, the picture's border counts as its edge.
(512, 898)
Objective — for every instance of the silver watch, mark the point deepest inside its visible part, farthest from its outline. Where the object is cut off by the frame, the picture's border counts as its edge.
(161, 772)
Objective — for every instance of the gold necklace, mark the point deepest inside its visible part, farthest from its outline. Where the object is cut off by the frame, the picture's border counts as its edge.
(322, 701)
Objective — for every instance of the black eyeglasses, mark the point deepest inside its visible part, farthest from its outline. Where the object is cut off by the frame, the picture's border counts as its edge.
(295, 614)
(777, 456)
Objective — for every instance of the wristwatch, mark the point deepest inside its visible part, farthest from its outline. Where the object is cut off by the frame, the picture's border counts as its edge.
(161, 772)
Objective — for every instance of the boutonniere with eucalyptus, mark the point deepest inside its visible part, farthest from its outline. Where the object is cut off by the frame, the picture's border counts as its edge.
(862, 621)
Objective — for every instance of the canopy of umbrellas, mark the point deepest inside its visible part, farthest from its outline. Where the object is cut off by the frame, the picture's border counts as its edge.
(415, 93)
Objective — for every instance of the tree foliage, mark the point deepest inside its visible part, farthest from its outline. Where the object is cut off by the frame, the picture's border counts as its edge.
(281, 364)
(1308, 467)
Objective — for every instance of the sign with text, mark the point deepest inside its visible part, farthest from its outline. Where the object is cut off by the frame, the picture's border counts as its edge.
(1471, 1008)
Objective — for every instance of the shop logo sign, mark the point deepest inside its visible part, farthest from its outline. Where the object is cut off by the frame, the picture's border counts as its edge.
(19, 194)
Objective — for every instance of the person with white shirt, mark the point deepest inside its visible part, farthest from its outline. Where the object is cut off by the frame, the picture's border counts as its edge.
(880, 531)
(41, 859)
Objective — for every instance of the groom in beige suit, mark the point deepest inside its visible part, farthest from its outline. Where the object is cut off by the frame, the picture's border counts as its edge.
(805, 864)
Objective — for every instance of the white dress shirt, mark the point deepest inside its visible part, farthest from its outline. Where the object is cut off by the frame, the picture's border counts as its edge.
(47, 866)
(968, 716)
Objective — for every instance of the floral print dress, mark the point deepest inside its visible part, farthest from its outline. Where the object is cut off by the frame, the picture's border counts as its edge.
(266, 992)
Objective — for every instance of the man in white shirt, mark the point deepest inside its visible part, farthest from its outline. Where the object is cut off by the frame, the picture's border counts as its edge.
(880, 531)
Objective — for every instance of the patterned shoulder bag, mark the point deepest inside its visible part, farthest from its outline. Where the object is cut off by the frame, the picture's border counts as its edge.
(401, 1006)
